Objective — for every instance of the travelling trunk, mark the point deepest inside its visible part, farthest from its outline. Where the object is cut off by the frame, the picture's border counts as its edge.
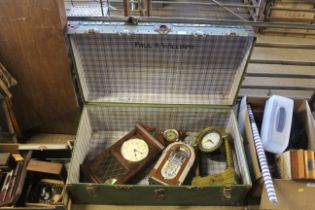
(183, 76)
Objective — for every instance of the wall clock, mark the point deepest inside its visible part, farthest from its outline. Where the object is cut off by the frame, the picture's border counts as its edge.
(124, 159)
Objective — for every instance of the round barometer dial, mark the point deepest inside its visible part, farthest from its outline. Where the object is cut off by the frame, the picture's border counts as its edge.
(210, 141)
(171, 135)
(135, 150)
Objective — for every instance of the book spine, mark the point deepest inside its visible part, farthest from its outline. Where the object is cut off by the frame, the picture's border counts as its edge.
(297, 164)
(284, 165)
(309, 162)
(287, 165)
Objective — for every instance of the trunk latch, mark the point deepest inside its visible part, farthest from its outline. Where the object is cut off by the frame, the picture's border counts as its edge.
(160, 194)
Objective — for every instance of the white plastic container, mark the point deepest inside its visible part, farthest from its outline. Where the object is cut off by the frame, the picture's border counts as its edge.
(276, 124)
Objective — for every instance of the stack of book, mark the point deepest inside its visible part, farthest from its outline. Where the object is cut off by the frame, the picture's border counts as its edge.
(296, 164)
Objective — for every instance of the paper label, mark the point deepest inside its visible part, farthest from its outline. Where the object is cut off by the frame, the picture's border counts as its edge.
(310, 184)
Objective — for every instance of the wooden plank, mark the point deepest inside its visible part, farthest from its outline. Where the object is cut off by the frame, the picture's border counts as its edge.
(291, 16)
(296, 15)
(310, 35)
(262, 38)
(281, 65)
(172, 10)
(32, 47)
(283, 62)
(48, 138)
(44, 167)
(277, 75)
(297, 20)
(283, 45)
(269, 92)
(286, 31)
(294, 1)
(68, 124)
(279, 83)
(305, 55)
(274, 70)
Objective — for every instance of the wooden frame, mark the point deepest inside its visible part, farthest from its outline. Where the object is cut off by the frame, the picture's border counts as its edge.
(132, 168)
(156, 172)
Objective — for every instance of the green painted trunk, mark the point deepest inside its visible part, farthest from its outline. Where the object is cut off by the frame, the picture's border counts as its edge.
(186, 77)
(158, 195)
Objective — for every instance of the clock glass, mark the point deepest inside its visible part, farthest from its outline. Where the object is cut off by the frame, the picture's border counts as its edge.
(210, 141)
(190, 140)
(174, 163)
(134, 150)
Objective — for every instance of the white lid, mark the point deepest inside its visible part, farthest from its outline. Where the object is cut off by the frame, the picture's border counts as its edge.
(276, 124)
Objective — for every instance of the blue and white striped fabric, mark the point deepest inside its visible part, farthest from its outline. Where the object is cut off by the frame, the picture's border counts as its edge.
(262, 159)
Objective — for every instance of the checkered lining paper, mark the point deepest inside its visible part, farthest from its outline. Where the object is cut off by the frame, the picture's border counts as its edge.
(155, 68)
(101, 126)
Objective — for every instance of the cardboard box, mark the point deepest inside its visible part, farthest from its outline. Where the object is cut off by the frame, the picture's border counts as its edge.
(288, 191)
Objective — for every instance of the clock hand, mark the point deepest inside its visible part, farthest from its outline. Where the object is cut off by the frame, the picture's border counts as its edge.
(135, 150)
(209, 140)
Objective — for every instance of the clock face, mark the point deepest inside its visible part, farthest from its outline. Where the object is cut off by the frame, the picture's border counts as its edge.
(210, 141)
(190, 140)
(171, 135)
(134, 150)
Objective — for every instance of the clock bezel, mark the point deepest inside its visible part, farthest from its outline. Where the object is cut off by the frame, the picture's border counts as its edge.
(171, 130)
(205, 132)
(134, 139)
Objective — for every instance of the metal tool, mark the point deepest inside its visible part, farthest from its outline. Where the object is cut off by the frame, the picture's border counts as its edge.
(5, 186)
